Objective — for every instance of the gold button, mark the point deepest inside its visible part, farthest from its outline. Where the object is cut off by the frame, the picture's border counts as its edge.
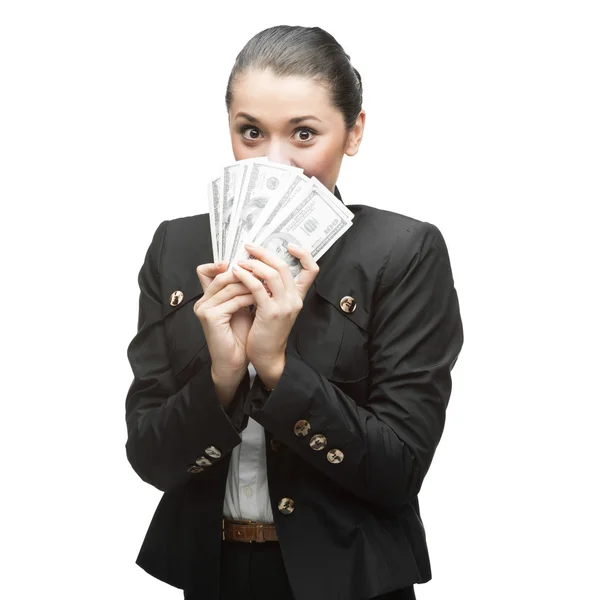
(348, 304)
(318, 442)
(335, 456)
(195, 469)
(176, 298)
(213, 452)
(203, 462)
(286, 506)
(301, 428)
(275, 445)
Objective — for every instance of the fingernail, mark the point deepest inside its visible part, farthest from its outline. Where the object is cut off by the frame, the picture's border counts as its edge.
(293, 246)
(235, 268)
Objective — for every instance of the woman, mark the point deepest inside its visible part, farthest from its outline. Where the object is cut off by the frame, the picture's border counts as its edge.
(291, 440)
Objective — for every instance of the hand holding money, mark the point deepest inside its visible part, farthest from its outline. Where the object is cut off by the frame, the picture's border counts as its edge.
(274, 207)
(276, 312)
(226, 321)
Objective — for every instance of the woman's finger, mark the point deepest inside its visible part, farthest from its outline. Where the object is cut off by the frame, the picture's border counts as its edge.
(266, 274)
(234, 304)
(229, 291)
(310, 269)
(272, 260)
(208, 271)
(253, 284)
(215, 285)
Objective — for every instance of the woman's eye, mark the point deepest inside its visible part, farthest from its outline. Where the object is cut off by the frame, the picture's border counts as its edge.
(251, 133)
(304, 134)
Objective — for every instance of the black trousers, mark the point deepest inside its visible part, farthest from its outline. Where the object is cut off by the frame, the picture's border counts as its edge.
(257, 572)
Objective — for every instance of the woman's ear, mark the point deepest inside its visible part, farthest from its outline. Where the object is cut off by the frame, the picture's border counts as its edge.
(355, 135)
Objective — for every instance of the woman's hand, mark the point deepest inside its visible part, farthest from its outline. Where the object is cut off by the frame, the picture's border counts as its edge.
(226, 321)
(276, 311)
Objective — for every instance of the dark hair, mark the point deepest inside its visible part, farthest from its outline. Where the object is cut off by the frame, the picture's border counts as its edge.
(306, 52)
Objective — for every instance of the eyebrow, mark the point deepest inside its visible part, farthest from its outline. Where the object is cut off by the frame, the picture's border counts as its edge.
(293, 121)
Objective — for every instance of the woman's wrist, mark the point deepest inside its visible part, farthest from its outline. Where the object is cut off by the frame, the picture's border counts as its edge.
(226, 384)
(271, 374)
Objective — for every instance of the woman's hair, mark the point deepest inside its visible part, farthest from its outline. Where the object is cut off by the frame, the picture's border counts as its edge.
(305, 52)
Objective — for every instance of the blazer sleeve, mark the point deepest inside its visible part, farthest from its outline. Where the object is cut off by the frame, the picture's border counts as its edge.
(169, 427)
(388, 442)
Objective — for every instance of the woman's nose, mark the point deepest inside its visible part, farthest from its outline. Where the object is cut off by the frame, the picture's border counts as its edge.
(276, 153)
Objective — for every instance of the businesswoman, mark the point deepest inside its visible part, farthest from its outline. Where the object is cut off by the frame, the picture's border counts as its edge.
(290, 422)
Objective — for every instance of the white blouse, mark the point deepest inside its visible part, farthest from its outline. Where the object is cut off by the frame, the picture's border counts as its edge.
(247, 490)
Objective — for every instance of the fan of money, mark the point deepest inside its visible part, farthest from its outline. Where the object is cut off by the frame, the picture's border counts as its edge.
(271, 205)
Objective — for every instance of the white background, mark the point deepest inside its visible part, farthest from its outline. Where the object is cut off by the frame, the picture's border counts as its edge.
(482, 117)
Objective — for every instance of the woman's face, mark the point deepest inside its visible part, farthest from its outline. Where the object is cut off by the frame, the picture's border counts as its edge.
(291, 120)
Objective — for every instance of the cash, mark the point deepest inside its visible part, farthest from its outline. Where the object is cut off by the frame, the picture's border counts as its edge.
(271, 205)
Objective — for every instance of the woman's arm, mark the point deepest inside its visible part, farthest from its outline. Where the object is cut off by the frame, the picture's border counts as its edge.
(168, 428)
(388, 443)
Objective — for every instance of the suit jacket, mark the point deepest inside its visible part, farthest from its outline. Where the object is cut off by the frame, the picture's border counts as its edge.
(372, 384)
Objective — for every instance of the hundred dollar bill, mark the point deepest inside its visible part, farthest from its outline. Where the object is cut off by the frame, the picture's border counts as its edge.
(273, 211)
(233, 179)
(214, 213)
(264, 182)
(314, 223)
(337, 204)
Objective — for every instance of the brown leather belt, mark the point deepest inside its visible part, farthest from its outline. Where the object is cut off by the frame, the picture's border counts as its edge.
(248, 531)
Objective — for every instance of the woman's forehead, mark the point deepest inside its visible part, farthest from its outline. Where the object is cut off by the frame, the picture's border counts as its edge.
(262, 94)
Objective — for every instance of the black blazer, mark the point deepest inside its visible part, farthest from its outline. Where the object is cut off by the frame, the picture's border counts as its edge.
(374, 382)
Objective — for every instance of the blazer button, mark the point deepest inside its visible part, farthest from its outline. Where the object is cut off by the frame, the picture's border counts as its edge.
(286, 506)
(301, 428)
(195, 469)
(318, 442)
(203, 462)
(335, 456)
(348, 304)
(176, 298)
(213, 452)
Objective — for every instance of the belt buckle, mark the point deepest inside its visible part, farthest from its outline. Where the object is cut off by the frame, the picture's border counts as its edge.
(260, 533)
(240, 522)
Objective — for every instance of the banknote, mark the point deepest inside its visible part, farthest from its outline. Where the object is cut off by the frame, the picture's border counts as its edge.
(233, 180)
(329, 197)
(214, 212)
(273, 211)
(263, 183)
(312, 223)
(300, 187)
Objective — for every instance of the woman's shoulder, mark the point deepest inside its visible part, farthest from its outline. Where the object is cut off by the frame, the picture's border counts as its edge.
(186, 230)
(189, 226)
(381, 246)
(392, 229)
(182, 240)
